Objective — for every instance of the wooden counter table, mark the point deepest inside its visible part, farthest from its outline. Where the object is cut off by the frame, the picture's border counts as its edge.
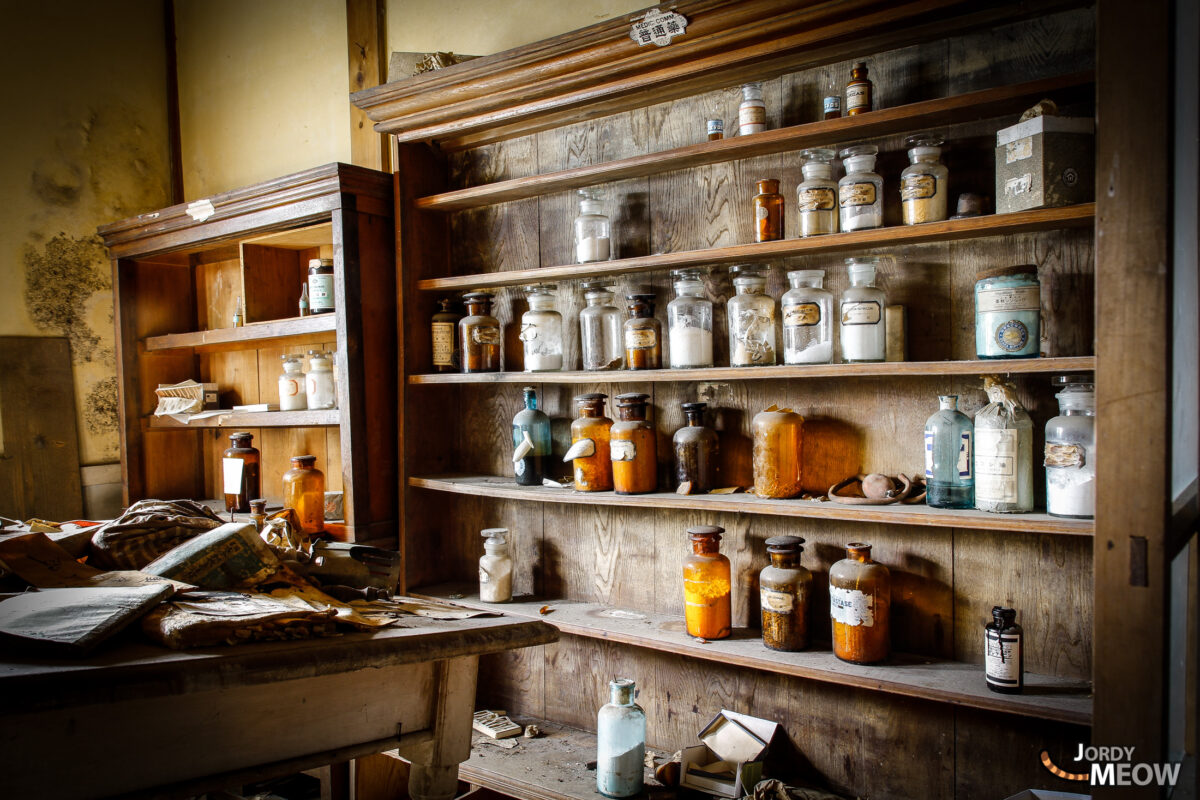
(138, 719)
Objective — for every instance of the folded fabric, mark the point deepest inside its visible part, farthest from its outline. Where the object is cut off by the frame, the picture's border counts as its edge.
(148, 529)
(204, 619)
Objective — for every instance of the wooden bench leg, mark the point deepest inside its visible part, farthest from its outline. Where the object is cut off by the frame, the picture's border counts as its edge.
(434, 772)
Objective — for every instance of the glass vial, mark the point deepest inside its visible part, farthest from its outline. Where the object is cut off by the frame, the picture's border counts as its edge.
(531, 442)
(444, 327)
(715, 129)
(258, 513)
(860, 599)
(807, 319)
(593, 233)
(479, 334)
(949, 456)
(1003, 452)
(322, 393)
(239, 312)
(777, 434)
(706, 585)
(620, 742)
(241, 457)
(643, 334)
(924, 183)
(859, 91)
(320, 285)
(862, 327)
(1008, 303)
(632, 447)
(293, 387)
(304, 308)
(304, 493)
(784, 588)
(695, 452)
(817, 194)
(831, 106)
(1070, 457)
(600, 329)
(689, 323)
(590, 456)
(768, 211)
(541, 330)
(1004, 652)
(752, 113)
(495, 567)
(751, 319)
(860, 191)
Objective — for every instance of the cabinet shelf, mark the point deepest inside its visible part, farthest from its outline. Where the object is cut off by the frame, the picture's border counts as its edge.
(937, 113)
(251, 335)
(1046, 697)
(920, 514)
(1076, 216)
(253, 419)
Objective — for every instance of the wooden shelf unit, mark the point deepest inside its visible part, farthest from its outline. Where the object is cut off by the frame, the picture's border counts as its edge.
(253, 335)
(253, 419)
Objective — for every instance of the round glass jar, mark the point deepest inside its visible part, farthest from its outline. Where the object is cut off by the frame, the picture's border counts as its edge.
(860, 191)
(541, 330)
(807, 319)
(1008, 312)
(689, 323)
(924, 182)
(817, 194)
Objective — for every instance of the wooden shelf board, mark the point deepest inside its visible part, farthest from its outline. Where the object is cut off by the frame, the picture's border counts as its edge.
(950, 230)
(953, 682)
(253, 419)
(937, 113)
(886, 369)
(252, 334)
(505, 488)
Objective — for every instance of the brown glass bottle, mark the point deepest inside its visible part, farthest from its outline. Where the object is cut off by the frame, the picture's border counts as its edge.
(241, 449)
(859, 91)
(479, 334)
(768, 211)
(444, 327)
(784, 588)
(695, 451)
(860, 599)
(778, 437)
(632, 447)
(643, 334)
(304, 493)
(706, 585)
(593, 468)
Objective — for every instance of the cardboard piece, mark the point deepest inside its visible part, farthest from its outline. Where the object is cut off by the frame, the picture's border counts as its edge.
(729, 762)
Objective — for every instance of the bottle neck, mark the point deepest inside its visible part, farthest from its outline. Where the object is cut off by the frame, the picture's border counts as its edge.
(479, 309)
(641, 312)
(632, 414)
(948, 403)
(813, 172)
(862, 554)
(864, 278)
(495, 548)
(531, 402)
(807, 283)
(860, 164)
(695, 419)
(591, 208)
(599, 299)
(785, 560)
(706, 547)
(541, 303)
(689, 289)
(621, 695)
(592, 412)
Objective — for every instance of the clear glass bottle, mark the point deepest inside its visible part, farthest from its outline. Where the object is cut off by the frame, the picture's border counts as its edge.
(949, 456)
(304, 493)
(862, 326)
(784, 588)
(860, 191)
(242, 458)
(322, 392)
(643, 334)
(620, 742)
(531, 442)
(239, 312)
(689, 323)
(1004, 652)
(752, 113)
(860, 600)
(320, 285)
(831, 104)
(706, 585)
(293, 387)
(1003, 451)
(601, 334)
(633, 447)
(1070, 457)
(590, 456)
(696, 451)
(768, 211)
(495, 567)
(1008, 305)
(859, 91)
(778, 437)
(593, 233)
(924, 183)
(817, 194)
(541, 330)
(751, 318)
(479, 334)
(444, 328)
(807, 319)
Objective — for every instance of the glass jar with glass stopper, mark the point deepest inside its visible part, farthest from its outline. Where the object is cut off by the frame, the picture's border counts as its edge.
(751, 320)
(924, 183)
(860, 191)
(862, 326)
(807, 319)
(860, 601)
(817, 194)
(706, 585)
(784, 588)
(531, 442)
(293, 388)
(696, 453)
(601, 334)
(689, 322)
(589, 454)
(593, 233)
(1071, 450)
(633, 446)
(541, 330)
(479, 334)
(643, 334)
(240, 468)
(304, 493)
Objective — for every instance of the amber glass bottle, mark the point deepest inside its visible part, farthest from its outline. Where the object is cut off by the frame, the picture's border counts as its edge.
(695, 451)
(304, 493)
(860, 599)
(590, 434)
(768, 211)
(859, 91)
(444, 327)
(778, 437)
(784, 588)
(706, 585)
(643, 334)
(241, 449)
(632, 447)
(479, 334)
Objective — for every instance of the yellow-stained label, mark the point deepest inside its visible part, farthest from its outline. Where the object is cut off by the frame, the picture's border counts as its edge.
(801, 315)
(853, 195)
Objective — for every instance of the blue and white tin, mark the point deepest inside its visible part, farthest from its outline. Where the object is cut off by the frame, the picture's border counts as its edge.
(1008, 312)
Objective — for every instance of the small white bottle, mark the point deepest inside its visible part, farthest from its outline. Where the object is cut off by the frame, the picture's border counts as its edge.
(593, 232)
(321, 390)
(293, 391)
(495, 567)
(862, 327)
(752, 113)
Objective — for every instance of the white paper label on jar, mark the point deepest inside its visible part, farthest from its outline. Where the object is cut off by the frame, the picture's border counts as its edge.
(851, 607)
(320, 293)
(443, 344)
(928, 455)
(856, 96)
(231, 474)
(1021, 298)
(854, 195)
(1064, 455)
(779, 602)
(519, 467)
(819, 198)
(801, 315)
(1002, 658)
(753, 116)
(760, 212)
(640, 339)
(996, 465)
(918, 187)
(861, 312)
(622, 450)
(1019, 150)
(964, 456)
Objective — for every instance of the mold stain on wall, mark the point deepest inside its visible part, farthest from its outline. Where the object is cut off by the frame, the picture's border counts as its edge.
(60, 278)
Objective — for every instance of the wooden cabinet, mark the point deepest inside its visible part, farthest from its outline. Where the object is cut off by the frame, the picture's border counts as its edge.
(178, 275)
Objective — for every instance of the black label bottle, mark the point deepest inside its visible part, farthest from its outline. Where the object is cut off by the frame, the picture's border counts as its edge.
(1004, 652)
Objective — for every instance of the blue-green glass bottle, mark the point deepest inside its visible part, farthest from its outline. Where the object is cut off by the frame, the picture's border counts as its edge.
(949, 453)
(531, 442)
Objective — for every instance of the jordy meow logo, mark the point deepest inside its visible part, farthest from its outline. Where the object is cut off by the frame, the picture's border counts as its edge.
(1114, 766)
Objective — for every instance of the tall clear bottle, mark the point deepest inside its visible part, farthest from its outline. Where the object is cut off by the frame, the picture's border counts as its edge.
(1003, 451)
(620, 742)
(541, 330)
(807, 319)
(495, 567)
(600, 328)
(696, 452)
(593, 234)
(949, 456)
(689, 323)
(751, 320)
(860, 191)
(860, 601)
(817, 194)
(531, 442)
(862, 327)
(1071, 450)
(591, 461)
(706, 585)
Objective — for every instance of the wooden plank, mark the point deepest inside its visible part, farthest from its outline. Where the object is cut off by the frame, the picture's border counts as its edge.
(252, 419)
(366, 38)
(251, 335)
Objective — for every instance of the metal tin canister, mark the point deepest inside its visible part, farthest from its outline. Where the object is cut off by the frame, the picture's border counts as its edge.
(1008, 312)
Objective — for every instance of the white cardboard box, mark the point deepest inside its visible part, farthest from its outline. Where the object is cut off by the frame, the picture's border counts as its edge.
(738, 739)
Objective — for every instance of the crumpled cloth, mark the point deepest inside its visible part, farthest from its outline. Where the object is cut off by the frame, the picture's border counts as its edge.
(774, 789)
(147, 530)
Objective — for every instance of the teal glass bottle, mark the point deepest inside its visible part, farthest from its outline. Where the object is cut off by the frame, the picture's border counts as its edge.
(949, 446)
(531, 442)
